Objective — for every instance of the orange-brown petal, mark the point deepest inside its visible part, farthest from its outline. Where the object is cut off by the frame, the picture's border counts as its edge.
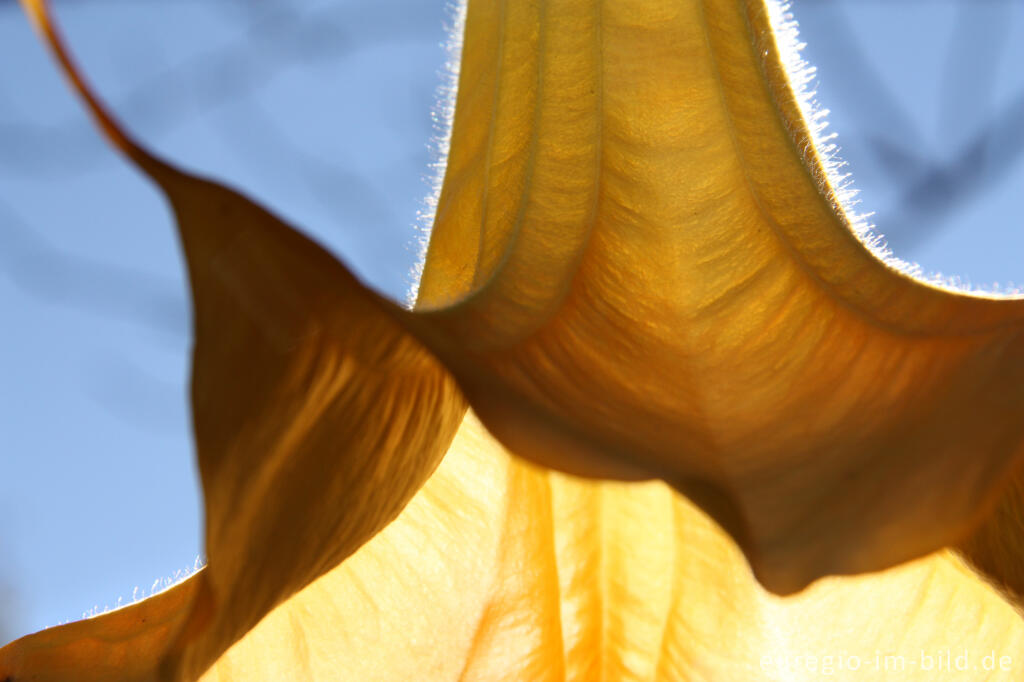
(316, 415)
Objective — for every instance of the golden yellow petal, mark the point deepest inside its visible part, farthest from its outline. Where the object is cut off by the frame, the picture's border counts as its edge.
(120, 646)
(316, 416)
(639, 269)
(462, 584)
(500, 571)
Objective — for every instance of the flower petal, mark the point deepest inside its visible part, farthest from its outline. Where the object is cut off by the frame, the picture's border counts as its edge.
(499, 571)
(651, 278)
(639, 269)
(121, 646)
(316, 415)
(996, 547)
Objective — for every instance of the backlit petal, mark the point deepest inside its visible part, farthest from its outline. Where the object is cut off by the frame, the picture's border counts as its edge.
(500, 571)
(316, 415)
(639, 269)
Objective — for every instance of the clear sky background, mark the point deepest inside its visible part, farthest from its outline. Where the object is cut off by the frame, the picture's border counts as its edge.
(322, 110)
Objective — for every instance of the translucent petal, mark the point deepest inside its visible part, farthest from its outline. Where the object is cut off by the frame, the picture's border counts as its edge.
(120, 646)
(638, 269)
(316, 415)
(500, 571)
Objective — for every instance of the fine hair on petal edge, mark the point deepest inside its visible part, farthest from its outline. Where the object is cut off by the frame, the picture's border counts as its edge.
(442, 115)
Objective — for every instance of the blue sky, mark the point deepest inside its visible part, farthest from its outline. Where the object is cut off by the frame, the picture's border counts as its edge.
(324, 113)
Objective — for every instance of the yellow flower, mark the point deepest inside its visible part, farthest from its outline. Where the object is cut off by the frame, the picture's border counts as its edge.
(639, 270)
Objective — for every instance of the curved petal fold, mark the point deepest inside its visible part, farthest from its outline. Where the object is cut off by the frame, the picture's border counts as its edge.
(500, 571)
(497, 570)
(639, 269)
(316, 415)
